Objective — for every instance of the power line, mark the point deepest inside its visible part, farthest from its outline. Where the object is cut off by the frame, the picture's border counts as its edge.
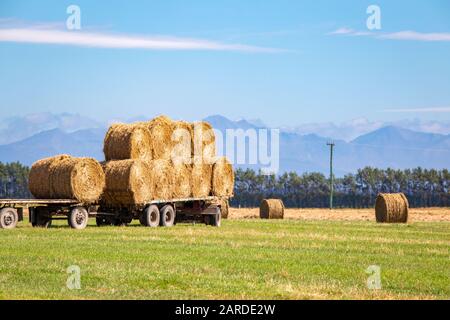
(331, 144)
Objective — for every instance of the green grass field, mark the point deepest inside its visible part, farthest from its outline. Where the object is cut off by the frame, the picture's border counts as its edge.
(247, 259)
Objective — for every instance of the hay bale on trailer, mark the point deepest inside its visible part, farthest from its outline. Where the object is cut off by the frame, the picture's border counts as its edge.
(127, 141)
(224, 208)
(182, 180)
(65, 177)
(39, 179)
(271, 209)
(127, 182)
(201, 178)
(391, 208)
(204, 141)
(182, 138)
(222, 178)
(161, 135)
(162, 179)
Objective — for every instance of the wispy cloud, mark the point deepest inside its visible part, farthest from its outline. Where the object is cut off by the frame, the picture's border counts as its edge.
(401, 35)
(419, 110)
(50, 34)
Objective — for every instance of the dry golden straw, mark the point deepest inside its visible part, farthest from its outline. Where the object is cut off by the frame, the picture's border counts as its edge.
(161, 129)
(222, 178)
(204, 140)
(127, 183)
(162, 179)
(127, 141)
(271, 209)
(65, 177)
(182, 139)
(182, 181)
(391, 208)
(201, 180)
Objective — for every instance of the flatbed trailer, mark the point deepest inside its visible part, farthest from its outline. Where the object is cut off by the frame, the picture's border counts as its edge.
(155, 213)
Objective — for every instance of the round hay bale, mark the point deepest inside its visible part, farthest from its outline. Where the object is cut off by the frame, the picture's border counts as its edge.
(201, 178)
(271, 209)
(162, 179)
(39, 180)
(391, 208)
(204, 141)
(127, 182)
(222, 178)
(161, 135)
(127, 141)
(224, 208)
(183, 148)
(182, 181)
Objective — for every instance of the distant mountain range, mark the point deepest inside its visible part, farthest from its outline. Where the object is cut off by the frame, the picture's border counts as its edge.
(388, 146)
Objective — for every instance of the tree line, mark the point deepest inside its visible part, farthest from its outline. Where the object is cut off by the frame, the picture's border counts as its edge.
(423, 188)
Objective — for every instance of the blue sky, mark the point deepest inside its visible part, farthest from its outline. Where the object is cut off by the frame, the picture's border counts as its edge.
(278, 61)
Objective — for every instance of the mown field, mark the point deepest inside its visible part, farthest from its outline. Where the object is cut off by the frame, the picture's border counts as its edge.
(245, 259)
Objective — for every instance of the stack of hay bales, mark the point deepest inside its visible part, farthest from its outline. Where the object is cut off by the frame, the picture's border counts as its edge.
(391, 208)
(66, 177)
(163, 159)
(271, 209)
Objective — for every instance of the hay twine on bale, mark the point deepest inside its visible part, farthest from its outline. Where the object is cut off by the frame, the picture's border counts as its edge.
(65, 177)
(201, 178)
(222, 178)
(391, 208)
(182, 181)
(128, 141)
(204, 141)
(127, 182)
(161, 135)
(271, 209)
(182, 138)
(162, 178)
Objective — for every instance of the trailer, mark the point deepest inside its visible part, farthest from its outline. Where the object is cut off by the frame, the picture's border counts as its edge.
(164, 213)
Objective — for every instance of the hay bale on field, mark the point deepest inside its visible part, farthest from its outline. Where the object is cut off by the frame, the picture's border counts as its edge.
(224, 208)
(391, 208)
(162, 179)
(65, 177)
(271, 209)
(182, 180)
(201, 178)
(127, 141)
(204, 141)
(161, 135)
(127, 182)
(39, 180)
(183, 147)
(222, 178)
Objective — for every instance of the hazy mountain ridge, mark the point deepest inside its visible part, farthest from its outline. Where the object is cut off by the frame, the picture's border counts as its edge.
(388, 146)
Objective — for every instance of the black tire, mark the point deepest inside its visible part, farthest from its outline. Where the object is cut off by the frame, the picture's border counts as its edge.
(78, 218)
(40, 217)
(8, 218)
(102, 221)
(142, 219)
(215, 220)
(167, 216)
(151, 216)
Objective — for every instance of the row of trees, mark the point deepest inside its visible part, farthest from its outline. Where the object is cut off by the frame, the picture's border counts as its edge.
(424, 188)
(14, 180)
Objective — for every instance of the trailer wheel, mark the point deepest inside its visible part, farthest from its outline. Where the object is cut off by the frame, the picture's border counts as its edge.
(78, 218)
(151, 216)
(8, 218)
(40, 217)
(167, 216)
(214, 220)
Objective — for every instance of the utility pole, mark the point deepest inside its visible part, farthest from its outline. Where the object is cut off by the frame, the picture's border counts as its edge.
(331, 144)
